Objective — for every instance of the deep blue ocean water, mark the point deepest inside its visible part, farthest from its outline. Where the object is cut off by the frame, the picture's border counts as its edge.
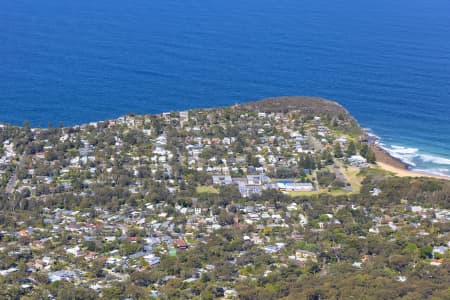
(387, 62)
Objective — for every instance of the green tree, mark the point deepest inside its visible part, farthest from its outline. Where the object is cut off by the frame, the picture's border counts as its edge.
(351, 149)
(337, 151)
(426, 252)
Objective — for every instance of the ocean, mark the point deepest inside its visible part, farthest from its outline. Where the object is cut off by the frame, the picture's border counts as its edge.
(387, 62)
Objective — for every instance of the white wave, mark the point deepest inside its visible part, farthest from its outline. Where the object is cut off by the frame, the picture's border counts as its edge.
(404, 154)
(407, 161)
(403, 150)
(416, 159)
(434, 159)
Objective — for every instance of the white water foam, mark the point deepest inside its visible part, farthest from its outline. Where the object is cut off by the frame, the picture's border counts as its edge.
(434, 159)
(404, 150)
(415, 158)
(404, 154)
(419, 161)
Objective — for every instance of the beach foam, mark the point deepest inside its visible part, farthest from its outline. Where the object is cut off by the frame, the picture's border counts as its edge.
(418, 160)
(404, 154)
(403, 150)
(434, 159)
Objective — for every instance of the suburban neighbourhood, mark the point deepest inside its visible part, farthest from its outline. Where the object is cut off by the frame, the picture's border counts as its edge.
(227, 203)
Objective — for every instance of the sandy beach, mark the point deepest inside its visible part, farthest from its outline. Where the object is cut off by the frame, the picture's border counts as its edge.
(396, 166)
(407, 173)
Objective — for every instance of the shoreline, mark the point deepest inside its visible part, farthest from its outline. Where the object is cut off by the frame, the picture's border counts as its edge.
(408, 173)
(383, 156)
(389, 163)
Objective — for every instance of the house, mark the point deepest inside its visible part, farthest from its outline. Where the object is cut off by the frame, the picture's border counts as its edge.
(436, 262)
(416, 209)
(74, 250)
(248, 190)
(180, 244)
(257, 179)
(270, 249)
(8, 271)
(230, 294)
(184, 116)
(303, 255)
(161, 140)
(166, 116)
(152, 259)
(90, 256)
(441, 250)
(341, 140)
(222, 180)
(23, 233)
(357, 160)
(262, 115)
(295, 186)
(67, 275)
(375, 192)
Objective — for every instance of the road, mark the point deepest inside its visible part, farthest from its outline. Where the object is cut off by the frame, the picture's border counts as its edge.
(13, 180)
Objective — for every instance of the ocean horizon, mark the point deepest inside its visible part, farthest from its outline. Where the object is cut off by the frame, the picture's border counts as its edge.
(81, 61)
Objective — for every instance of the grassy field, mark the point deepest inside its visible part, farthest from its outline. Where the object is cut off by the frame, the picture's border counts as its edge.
(322, 191)
(297, 194)
(351, 174)
(206, 189)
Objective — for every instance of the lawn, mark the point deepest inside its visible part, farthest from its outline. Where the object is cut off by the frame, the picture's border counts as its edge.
(322, 191)
(353, 177)
(206, 189)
